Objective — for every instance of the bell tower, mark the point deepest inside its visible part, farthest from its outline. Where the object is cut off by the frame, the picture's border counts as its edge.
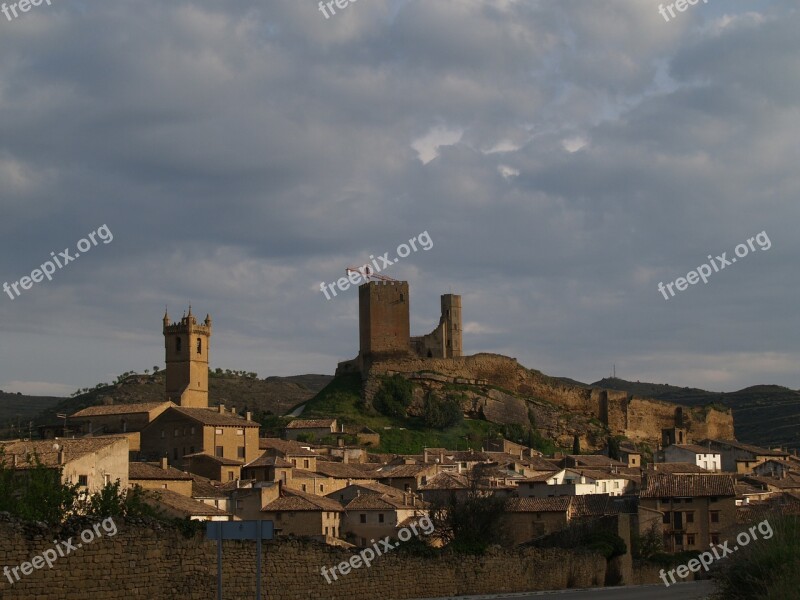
(186, 357)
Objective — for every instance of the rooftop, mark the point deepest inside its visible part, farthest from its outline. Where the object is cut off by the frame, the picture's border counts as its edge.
(311, 424)
(119, 409)
(659, 485)
(143, 470)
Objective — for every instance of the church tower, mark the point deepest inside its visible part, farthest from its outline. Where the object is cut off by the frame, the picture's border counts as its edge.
(186, 356)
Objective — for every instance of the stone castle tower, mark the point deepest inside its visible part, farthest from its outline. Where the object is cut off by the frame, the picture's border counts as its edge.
(186, 356)
(451, 324)
(383, 318)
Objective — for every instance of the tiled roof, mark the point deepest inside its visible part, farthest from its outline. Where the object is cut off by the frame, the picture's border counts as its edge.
(141, 470)
(269, 461)
(446, 481)
(675, 468)
(292, 499)
(187, 506)
(593, 460)
(555, 504)
(685, 486)
(203, 488)
(215, 459)
(339, 470)
(402, 471)
(47, 450)
(370, 487)
(118, 409)
(747, 447)
(285, 447)
(213, 418)
(695, 448)
(592, 505)
(311, 423)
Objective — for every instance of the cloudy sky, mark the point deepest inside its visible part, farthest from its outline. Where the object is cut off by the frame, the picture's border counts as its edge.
(564, 156)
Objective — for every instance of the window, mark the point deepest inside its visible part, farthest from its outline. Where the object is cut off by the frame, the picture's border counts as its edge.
(362, 518)
(199, 346)
(277, 516)
(407, 487)
(715, 538)
(164, 486)
(321, 487)
(688, 500)
(666, 518)
(177, 345)
(715, 516)
(218, 451)
(240, 432)
(83, 480)
(380, 517)
(714, 498)
(218, 431)
(176, 432)
(690, 539)
(192, 430)
(303, 487)
(690, 517)
(326, 531)
(239, 504)
(230, 477)
(305, 463)
(679, 539)
(676, 500)
(163, 433)
(616, 485)
(240, 452)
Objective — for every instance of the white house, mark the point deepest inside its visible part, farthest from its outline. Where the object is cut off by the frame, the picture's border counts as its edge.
(574, 482)
(710, 460)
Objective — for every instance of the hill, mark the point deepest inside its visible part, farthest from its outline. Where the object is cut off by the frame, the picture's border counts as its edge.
(275, 395)
(765, 415)
(19, 409)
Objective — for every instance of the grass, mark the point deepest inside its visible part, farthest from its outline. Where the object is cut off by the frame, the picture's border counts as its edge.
(404, 435)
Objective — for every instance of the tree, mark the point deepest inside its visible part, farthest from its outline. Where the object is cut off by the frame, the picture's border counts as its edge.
(469, 523)
(576, 444)
(613, 448)
(441, 413)
(155, 369)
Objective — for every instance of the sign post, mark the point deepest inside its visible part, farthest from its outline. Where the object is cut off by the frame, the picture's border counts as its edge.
(240, 530)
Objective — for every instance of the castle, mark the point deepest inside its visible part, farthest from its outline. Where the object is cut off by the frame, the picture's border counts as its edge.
(384, 330)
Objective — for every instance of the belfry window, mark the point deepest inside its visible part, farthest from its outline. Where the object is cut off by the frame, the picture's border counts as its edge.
(177, 344)
(199, 345)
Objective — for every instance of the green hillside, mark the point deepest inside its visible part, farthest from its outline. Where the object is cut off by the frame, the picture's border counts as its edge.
(17, 410)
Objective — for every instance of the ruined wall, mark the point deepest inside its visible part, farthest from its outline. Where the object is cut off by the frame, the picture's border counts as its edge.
(640, 419)
(163, 565)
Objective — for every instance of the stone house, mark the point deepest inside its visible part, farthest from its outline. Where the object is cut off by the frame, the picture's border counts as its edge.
(160, 476)
(313, 429)
(179, 431)
(529, 518)
(301, 456)
(129, 419)
(268, 468)
(696, 508)
(213, 467)
(408, 478)
(91, 463)
(300, 514)
(179, 506)
(376, 516)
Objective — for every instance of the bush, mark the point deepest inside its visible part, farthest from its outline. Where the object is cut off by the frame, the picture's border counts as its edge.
(441, 413)
(766, 568)
(394, 396)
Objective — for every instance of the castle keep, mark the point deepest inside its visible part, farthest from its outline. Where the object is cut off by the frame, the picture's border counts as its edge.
(384, 330)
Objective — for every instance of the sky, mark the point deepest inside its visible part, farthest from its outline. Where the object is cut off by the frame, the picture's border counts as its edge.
(563, 157)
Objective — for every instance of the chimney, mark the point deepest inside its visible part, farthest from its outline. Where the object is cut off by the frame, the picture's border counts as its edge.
(248, 415)
(61, 458)
(345, 457)
(441, 457)
(15, 461)
(340, 442)
(222, 409)
(164, 463)
(425, 455)
(233, 410)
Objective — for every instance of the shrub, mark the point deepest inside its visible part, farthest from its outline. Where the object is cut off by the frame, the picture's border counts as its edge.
(394, 396)
(441, 413)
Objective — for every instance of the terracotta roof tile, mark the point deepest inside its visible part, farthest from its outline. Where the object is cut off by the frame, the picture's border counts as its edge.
(118, 409)
(142, 470)
(685, 486)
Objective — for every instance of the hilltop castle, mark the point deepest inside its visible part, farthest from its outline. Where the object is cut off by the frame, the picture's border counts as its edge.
(384, 330)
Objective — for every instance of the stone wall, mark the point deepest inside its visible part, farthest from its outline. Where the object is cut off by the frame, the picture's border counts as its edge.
(142, 562)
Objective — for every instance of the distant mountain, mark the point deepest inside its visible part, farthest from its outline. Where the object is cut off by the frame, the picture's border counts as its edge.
(766, 415)
(17, 410)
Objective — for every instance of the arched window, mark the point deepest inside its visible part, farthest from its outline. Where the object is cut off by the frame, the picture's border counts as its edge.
(199, 345)
(177, 344)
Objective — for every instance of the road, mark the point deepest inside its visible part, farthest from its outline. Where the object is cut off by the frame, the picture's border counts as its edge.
(699, 590)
